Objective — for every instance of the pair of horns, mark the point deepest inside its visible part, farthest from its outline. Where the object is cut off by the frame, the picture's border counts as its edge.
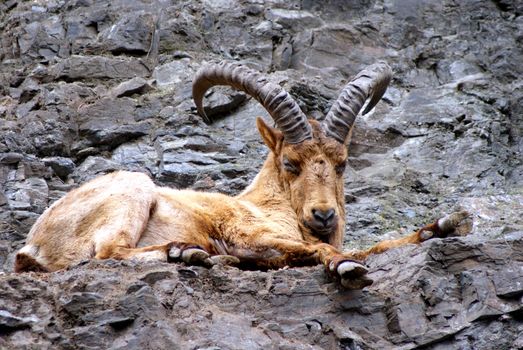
(371, 82)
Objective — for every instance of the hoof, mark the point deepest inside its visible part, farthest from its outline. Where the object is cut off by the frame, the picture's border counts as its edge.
(456, 224)
(352, 274)
(426, 235)
(195, 256)
(174, 253)
(189, 255)
(351, 270)
(228, 260)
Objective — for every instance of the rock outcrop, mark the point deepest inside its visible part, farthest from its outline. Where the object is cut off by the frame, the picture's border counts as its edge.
(91, 86)
(451, 294)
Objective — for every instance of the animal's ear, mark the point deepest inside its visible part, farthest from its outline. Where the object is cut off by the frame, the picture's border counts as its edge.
(272, 137)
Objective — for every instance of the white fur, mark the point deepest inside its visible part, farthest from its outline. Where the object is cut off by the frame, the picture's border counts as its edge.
(33, 251)
(348, 266)
(155, 255)
(30, 250)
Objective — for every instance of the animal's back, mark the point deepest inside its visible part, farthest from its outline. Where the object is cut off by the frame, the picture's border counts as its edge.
(68, 231)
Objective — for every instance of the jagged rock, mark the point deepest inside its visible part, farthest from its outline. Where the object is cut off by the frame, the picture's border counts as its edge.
(32, 193)
(87, 67)
(293, 19)
(111, 122)
(179, 175)
(216, 104)
(422, 296)
(134, 86)
(137, 156)
(61, 166)
(10, 323)
(92, 166)
(172, 73)
(10, 158)
(132, 34)
(42, 40)
(91, 87)
(282, 55)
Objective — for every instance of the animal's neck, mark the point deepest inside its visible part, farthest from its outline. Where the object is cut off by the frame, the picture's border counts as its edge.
(266, 191)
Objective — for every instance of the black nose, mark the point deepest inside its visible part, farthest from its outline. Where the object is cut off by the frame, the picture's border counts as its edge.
(325, 217)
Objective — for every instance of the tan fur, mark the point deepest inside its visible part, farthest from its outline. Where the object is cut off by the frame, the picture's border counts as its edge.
(123, 215)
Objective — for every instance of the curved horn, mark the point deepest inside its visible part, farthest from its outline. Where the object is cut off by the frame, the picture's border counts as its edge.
(281, 106)
(373, 82)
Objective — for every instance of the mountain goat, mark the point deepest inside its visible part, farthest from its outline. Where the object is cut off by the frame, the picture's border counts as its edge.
(292, 214)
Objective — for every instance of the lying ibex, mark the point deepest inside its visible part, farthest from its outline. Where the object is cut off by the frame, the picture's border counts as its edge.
(292, 214)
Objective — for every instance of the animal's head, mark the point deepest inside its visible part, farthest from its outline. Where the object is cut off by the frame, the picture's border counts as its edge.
(309, 157)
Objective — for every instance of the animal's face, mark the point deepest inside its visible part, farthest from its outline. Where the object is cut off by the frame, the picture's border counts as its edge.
(312, 174)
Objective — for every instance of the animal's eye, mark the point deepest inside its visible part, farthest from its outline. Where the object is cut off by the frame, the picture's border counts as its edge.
(340, 168)
(290, 166)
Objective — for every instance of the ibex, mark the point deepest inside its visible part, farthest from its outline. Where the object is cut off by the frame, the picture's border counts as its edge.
(292, 214)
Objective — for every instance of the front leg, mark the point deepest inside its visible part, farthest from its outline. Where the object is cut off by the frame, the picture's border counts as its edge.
(455, 224)
(264, 254)
(272, 253)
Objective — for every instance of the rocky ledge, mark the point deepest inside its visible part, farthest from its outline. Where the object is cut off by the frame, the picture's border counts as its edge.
(456, 293)
(92, 86)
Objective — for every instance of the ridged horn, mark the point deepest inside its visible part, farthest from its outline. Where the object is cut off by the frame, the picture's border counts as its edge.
(281, 106)
(371, 82)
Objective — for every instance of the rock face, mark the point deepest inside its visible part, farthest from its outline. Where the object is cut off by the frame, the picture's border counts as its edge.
(457, 293)
(89, 86)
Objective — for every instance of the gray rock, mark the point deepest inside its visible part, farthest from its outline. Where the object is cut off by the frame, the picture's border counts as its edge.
(292, 306)
(282, 55)
(137, 156)
(152, 277)
(10, 158)
(87, 67)
(107, 133)
(42, 40)
(134, 86)
(61, 166)
(509, 282)
(173, 73)
(132, 34)
(75, 79)
(32, 193)
(80, 304)
(179, 175)
(218, 103)
(297, 20)
(111, 123)
(10, 323)
(93, 166)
